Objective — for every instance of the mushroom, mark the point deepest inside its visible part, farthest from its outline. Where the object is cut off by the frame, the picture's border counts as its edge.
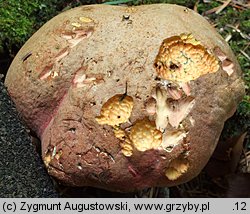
(183, 82)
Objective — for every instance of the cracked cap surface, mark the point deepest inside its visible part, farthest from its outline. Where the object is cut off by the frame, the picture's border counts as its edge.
(182, 58)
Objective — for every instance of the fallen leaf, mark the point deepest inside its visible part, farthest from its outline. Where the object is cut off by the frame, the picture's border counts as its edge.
(224, 148)
(223, 6)
(226, 157)
(236, 152)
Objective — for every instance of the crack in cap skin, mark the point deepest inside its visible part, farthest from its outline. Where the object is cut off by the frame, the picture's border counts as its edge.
(171, 111)
(172, 138)
(74, 37)
(182, 58)
(226, 64)
(116, 110)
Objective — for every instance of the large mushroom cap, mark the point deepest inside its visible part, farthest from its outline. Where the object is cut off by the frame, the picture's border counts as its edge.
(125, 98)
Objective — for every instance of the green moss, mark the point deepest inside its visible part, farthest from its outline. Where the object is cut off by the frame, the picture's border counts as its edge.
(203, 7)
(187, 3)
(21, 18)
(16, 21)
(246, 25)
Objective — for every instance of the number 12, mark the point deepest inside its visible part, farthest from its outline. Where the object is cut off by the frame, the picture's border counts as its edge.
(240, 206)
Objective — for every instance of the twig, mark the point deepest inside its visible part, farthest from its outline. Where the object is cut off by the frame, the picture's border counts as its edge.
(228, 37)
(196, 6)
(223, 6)
(236, 4)
(151, 192)
(243, 35)
(245, 54)
(208, 12)
(218, 9)
(241, 4)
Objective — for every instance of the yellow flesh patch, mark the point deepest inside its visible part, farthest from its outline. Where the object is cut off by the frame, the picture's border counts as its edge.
(182, 58)
(145, 136)
(47, 159)
(116, 110)
(119, 133)
(176, 168)
(127, 149)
